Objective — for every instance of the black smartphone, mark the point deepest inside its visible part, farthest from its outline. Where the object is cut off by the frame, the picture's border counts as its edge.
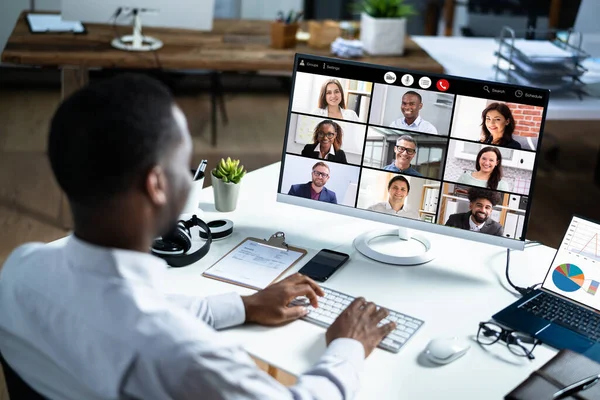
(324, 264)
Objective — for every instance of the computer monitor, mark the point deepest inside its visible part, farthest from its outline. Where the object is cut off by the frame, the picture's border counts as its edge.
(424, 151)
(180, 14)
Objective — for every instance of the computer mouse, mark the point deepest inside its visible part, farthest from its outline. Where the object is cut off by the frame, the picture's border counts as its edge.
(446, 350)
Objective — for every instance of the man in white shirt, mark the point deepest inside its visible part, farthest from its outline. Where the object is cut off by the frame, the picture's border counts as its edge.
(412, 103)
(85, 317)
(398, 190)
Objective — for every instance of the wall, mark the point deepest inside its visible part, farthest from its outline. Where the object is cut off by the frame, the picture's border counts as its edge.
(528, 119)
(9, 12)
(267, 9)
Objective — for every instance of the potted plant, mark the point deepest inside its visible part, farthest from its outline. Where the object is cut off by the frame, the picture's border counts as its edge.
(226, 177)
(383, 25)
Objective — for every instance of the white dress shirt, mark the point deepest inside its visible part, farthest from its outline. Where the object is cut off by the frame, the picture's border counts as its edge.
(347, 114)
(385, 207)
(78, 321)
(318, 149)
(419, 125)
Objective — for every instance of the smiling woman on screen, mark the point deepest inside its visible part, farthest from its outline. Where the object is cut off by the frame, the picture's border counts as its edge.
(498, 125)
(488, 172)
(326, 142)
(332, 103)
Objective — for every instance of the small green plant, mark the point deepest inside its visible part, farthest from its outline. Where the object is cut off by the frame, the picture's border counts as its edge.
(229, 170)
(385, 8)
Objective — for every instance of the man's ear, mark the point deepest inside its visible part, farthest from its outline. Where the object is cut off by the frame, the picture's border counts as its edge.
(420, 106)
(156, 186)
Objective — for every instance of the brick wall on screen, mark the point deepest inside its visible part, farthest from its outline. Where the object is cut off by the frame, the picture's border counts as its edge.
(528, 119)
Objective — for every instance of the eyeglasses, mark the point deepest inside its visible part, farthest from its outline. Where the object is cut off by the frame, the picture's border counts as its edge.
(328, 134)
(518, 343)
(406, 149)
(320, 174)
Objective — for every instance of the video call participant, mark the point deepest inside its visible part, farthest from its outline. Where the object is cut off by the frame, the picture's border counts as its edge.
(398, 190)
(332, 103)
(315, 189)
(478, 218)
(94, 304)
(488, 172)
(498, 125)
(327, 142)
(412, 104)
(405, 150)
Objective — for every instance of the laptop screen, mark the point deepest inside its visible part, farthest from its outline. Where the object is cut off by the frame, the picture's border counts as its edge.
(575, 271)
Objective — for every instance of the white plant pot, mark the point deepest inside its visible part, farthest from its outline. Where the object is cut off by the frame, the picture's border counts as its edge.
(382, 36)
(226, 194)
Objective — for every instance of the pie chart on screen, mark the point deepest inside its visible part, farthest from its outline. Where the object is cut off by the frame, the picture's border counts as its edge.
(568, 277)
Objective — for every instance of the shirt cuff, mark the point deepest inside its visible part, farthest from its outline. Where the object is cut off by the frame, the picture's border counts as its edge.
(348, 349)
(227, 310)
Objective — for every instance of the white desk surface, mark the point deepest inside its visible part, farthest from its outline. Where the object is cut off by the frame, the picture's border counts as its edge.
(474, 58)
(464, 285)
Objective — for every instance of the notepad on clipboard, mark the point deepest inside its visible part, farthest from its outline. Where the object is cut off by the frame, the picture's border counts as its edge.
(256, 263)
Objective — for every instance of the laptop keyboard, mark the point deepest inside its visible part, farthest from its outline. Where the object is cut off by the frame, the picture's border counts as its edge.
(334, 302)
(564, 313)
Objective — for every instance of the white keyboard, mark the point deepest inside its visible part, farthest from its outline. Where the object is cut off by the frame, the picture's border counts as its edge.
(334, 302)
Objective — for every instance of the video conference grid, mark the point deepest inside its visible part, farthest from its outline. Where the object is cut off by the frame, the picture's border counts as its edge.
(527, 103)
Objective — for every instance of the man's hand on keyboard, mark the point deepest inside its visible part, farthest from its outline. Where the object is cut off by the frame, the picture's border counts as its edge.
(270, 305)
(359, 321)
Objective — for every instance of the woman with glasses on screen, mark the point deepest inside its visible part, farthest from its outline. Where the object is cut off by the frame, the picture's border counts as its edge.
(332, 103)
(497, 126)
(326, 142)
(488, 171)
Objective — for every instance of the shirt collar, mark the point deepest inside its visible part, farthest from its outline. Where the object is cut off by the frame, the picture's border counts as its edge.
(388, 206)
(126, 264)
(473, 225)
(416, 123)
(331, 150)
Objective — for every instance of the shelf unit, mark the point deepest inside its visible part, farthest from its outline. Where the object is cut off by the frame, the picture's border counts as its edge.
(426, 209)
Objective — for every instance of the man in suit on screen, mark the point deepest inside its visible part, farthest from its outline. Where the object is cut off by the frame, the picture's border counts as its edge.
(315, 189)
(478, 218)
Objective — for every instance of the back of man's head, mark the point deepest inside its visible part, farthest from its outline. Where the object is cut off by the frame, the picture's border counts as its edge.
(107, 136)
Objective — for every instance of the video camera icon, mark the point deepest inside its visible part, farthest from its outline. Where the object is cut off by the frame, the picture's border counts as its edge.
(389, 77)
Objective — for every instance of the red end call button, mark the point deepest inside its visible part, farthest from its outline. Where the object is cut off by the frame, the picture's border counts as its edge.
(442, 85)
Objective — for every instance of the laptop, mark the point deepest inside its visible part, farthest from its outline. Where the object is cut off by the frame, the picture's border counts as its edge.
(565, 312)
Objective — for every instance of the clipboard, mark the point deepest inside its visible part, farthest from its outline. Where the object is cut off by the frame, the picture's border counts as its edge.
(256, 263)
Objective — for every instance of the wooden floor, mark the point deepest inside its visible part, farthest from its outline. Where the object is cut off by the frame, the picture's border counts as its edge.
(29, 197)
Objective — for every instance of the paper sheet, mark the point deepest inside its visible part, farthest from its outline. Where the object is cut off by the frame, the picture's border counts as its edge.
(53, 23)
(253, 264)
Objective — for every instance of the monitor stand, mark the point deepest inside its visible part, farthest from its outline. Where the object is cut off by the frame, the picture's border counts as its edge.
(136, 42)
(406, 248)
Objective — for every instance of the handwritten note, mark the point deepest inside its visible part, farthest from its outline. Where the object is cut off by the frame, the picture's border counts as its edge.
(253, 264)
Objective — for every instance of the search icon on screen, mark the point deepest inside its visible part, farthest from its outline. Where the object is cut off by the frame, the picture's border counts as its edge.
(486, 88)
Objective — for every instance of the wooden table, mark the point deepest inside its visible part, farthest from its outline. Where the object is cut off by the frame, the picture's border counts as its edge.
(232, 45)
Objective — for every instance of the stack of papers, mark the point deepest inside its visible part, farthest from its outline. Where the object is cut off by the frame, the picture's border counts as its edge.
(347, 48)
(40, 23)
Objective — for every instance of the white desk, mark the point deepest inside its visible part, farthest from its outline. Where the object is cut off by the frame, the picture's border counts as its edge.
(474, 58)
(464, 285)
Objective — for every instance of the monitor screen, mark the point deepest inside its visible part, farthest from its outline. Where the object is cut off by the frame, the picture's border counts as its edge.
(432, 152)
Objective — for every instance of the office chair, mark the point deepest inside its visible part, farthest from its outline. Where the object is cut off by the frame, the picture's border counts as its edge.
(17, 388)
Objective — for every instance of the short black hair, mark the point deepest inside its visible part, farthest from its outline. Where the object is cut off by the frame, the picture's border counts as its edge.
(414, 94)
(109, 134)
(477, 193)
(399, 178)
